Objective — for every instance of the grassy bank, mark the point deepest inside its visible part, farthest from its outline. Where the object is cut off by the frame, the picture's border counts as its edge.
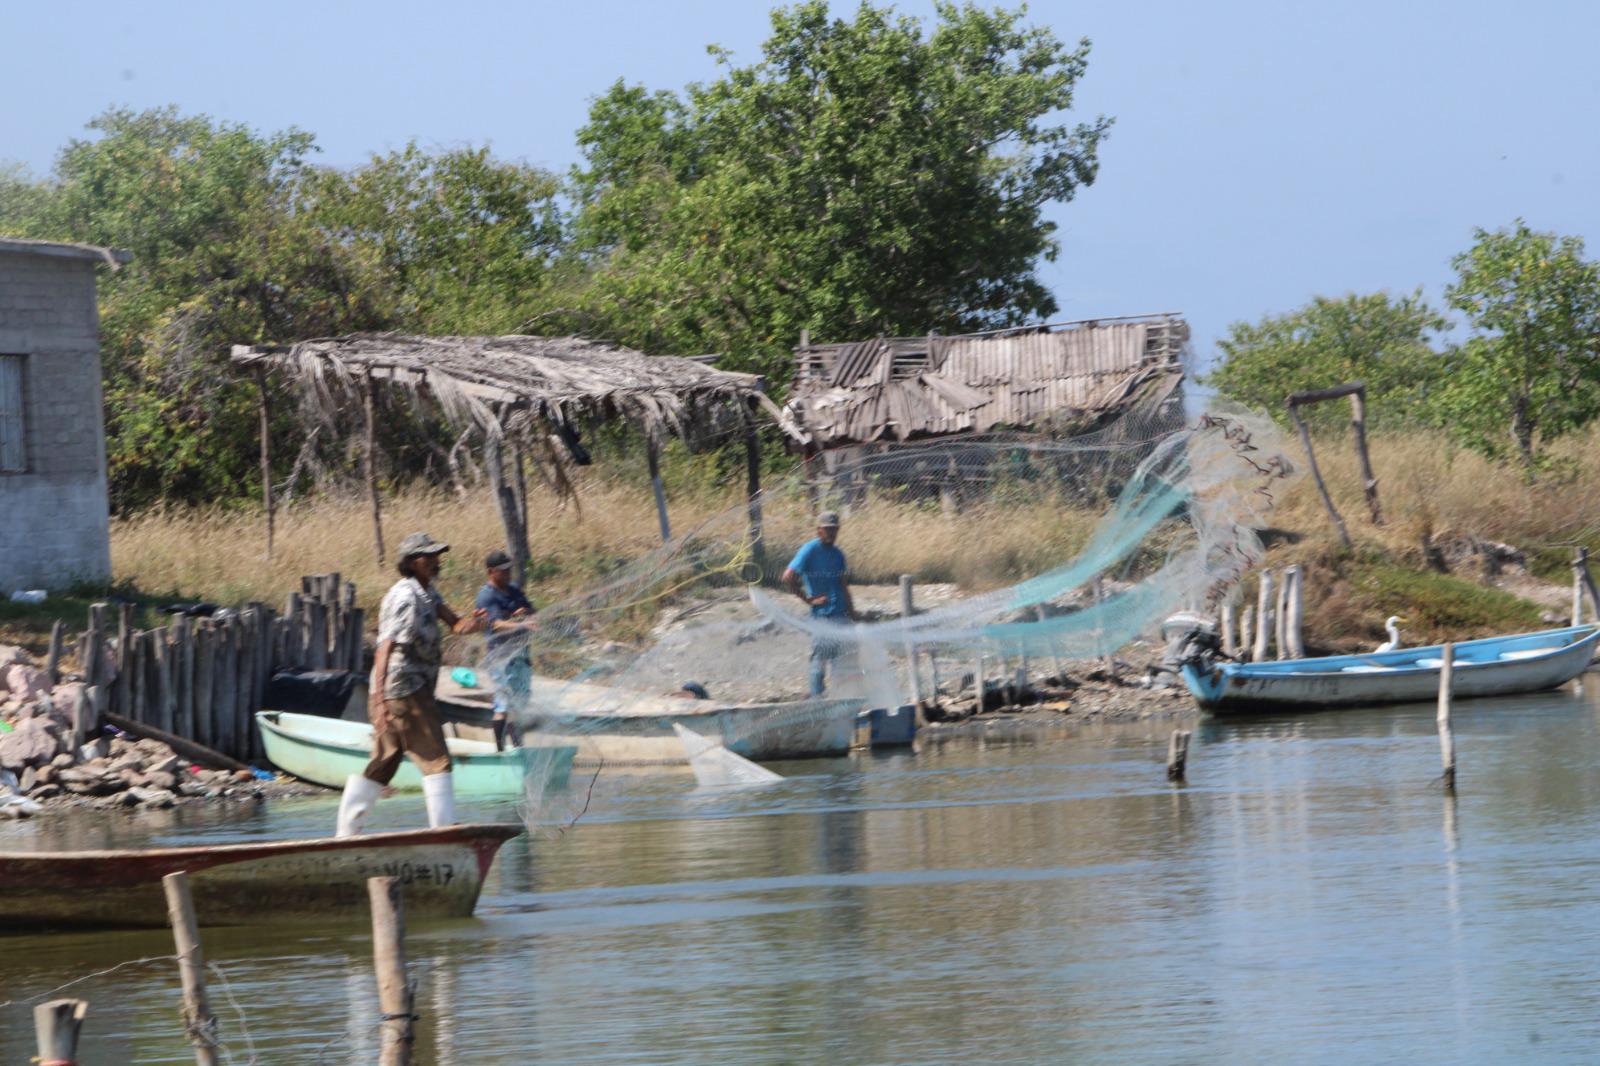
(1437, 502)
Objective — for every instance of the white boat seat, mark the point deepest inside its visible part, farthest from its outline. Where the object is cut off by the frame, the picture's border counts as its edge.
(1528, 654)
(1366, 669)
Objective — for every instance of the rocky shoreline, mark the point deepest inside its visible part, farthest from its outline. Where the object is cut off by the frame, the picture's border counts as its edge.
(44, 764)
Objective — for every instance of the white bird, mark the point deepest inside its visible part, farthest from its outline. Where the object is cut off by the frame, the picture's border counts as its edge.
(1394, 634)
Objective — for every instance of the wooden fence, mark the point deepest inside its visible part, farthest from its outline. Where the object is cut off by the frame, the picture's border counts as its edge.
(204, 678)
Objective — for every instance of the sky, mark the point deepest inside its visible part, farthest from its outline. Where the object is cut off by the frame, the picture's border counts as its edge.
(1263, 153)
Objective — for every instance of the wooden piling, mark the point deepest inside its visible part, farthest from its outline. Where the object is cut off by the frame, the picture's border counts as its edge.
(138, 680)
(93, 659)
(914, 688)
(395, 995)
(52, 666)
(204, 682)
(1280, 614)
(1447, 737)
(121, 686)
(245, 687)
(1247, 632)
(1230, 645)
(226, 665)
(1177, 754)
(1258, 653)
(182, 656)
(1294, 614)
(358, 651)
(56, 1025)
(1582, 580)
(161, 680)
(199, 1024)
(977, 681)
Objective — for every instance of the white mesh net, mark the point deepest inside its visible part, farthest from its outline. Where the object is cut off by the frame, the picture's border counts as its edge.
(1034, 551)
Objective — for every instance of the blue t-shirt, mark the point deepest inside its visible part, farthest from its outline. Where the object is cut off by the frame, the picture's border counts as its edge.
(822, 571)
(500, 606)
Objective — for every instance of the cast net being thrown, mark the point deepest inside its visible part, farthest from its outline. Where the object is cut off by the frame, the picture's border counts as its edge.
(1039, 552)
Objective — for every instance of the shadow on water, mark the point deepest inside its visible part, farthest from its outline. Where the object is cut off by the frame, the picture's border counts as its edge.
(1310, 894)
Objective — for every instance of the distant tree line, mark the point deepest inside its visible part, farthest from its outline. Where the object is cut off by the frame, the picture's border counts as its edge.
(1527, 372)
(863, 176)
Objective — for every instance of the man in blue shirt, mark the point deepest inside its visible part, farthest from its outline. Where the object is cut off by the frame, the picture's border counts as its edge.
(510, 618)
(818, 575)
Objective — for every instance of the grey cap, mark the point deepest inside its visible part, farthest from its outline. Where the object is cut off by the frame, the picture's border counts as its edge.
(421, 544)
(828, 520)
(497, 560)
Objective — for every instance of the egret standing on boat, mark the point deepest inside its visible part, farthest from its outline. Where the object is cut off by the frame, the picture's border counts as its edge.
(818, 575)
(1393, 643)
(405, 720)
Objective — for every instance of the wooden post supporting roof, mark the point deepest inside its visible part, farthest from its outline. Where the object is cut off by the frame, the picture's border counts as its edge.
(752, 457)
(266, 451)
(652, 458)
(370, 459)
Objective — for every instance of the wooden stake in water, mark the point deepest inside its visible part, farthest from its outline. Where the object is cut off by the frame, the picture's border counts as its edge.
(55, 1029)
(914, 688)
(1177, 754)
(1230, 646)
(1247, 632)
(198, 1021)
(1447, 737)
(395, 995)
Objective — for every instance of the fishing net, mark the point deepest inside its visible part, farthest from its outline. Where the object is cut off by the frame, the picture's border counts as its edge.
(1031, 554)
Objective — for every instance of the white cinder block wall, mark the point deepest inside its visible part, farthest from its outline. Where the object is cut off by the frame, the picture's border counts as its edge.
(54, 521)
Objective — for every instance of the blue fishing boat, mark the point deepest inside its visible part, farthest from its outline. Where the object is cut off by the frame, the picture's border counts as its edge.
(1494, 666)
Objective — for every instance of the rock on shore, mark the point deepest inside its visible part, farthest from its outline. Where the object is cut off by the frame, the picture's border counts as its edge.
(41, 765)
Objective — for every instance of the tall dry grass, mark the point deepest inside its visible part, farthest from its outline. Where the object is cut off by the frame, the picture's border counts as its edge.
(1425, 486)
(219, 554)
(1428, 487)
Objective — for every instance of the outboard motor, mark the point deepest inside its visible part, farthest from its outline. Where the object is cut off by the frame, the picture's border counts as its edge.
(1190, 637)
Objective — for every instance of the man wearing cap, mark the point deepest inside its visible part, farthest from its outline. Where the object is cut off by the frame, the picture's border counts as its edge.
(510, 617)
(817, 574)
(405, 720)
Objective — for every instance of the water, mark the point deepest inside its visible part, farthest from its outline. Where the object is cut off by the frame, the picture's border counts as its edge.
(1310, 896)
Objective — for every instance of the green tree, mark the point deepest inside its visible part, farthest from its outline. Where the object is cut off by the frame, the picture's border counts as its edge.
(221, 255)
(452, 243)
(1532, 371)
(861, 177)
(1385, 342)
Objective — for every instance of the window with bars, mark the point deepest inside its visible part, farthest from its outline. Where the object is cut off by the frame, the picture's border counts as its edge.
(13, 417)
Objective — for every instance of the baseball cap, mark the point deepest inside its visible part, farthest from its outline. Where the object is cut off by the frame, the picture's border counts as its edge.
(421, 544)
(828, 520)
(497, 560)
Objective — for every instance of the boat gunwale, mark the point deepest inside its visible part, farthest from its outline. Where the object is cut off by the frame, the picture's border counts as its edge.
(449, 834)
(1284, 667)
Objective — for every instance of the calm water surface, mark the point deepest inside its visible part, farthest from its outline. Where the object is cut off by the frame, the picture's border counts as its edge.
(1311, 895)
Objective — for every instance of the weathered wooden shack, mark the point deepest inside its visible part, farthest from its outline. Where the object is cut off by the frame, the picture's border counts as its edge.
(849, 402)
(1072, 375)
(519, 394)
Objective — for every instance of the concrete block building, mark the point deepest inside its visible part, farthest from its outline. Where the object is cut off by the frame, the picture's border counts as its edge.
(54, 515)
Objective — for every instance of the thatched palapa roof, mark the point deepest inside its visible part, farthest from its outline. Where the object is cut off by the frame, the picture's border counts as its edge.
(505, 382)
(916, 387)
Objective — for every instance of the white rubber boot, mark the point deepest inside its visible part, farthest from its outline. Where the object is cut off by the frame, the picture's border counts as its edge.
(439, 790)
(360, 795)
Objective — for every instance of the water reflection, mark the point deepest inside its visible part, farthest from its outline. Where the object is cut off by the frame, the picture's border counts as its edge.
(1309, 895)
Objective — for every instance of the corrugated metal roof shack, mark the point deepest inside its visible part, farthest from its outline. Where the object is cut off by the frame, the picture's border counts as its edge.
(1064, 379)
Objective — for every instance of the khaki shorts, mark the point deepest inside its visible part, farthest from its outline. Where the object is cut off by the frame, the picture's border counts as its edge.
(413, 728)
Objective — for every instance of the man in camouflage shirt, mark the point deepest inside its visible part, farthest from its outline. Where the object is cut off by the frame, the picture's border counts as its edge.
(405, 719)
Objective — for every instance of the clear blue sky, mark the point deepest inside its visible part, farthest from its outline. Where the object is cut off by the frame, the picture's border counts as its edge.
(1264, 152)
